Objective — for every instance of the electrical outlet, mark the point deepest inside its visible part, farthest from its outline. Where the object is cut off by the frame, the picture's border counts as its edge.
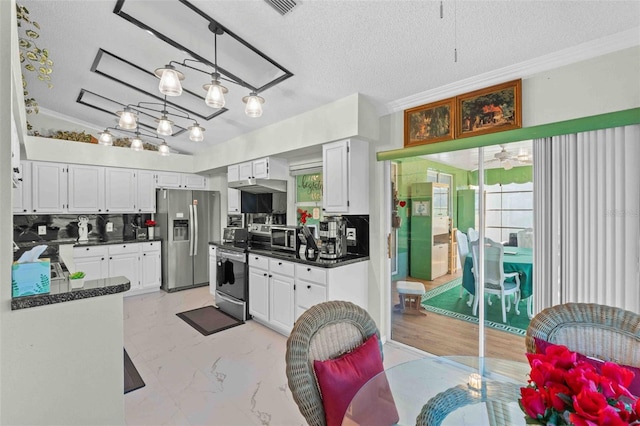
(351, 234)
(109, 226)
(42, 230)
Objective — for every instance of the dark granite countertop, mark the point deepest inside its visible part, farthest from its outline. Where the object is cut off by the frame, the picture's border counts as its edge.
(110, 242)
(322, 263)
(61, 291)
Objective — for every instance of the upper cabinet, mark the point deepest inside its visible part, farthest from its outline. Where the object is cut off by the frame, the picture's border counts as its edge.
(168, 180)
(86, 189)
(21, 194)
(146, 191)
(193, 181)
(120, 190)
(262, 168)
(48, 187)
(345, 177)
(181, 180)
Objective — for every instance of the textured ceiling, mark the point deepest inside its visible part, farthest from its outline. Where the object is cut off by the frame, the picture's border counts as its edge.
(385, 50)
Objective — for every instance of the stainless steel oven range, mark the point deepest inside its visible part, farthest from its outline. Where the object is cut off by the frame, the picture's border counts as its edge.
(232, 289)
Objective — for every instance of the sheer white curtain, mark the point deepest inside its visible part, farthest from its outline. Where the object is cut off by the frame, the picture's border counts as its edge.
(587, 218)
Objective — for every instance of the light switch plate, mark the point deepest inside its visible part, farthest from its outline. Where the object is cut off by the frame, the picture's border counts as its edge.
(42, 230)
(109, 226)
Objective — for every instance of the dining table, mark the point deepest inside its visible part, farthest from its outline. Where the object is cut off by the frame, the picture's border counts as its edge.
(450, 390)
(516, 259)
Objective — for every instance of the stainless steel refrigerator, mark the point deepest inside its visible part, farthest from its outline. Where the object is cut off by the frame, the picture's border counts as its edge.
(187, 221)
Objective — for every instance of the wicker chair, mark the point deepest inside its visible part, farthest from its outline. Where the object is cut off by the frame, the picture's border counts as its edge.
(604, 332)
(325, 331)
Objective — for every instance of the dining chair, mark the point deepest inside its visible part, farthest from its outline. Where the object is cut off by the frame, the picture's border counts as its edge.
(525, 238)
(463, 252)
(324, 331)
(604, 332)
(495, 277)
(473, 235)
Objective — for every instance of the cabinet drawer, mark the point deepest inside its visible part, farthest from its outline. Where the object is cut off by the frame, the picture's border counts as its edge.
(281, 267)
(79, 252)
(212, 250)
(259, 261)
(151, 247)
(124, 248)
(311, 273)
(308, 294)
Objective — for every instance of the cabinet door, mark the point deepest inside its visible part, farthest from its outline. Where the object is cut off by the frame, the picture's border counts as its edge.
(146, 191)
(335, 177)
(86, 189)
(126, 265)
(261, 168)
(259, 294)
(213, 270)
(168, 180)
(49, 187)
(150, 270)
(245, 170)
(233, 200)
(193, 181)
(120, 190)
(233, 173)
(281, 301)
(21, 194)
(93, 267)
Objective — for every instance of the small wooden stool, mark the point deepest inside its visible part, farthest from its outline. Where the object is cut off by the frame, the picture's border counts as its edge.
(412, 293)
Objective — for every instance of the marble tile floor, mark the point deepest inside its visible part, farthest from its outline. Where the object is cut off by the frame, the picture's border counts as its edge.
(233, 377)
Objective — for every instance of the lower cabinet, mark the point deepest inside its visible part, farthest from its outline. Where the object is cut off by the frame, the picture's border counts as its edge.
(139, 262)
(280, 291)
(213, 270)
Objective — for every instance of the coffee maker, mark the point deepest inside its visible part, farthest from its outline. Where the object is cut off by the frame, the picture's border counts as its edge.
(333, 237)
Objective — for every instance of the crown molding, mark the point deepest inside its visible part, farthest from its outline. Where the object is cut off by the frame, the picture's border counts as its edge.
(581, 52)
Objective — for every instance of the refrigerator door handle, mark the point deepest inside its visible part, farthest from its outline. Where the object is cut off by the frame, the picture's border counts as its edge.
(191, 224)
(196, 230)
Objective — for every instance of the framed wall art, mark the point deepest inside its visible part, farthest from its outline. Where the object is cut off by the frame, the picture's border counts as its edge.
(489, 110)
(429, 123)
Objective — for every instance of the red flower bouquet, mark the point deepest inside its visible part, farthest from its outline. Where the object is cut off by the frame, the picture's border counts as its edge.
(567, 390)
(149, 223)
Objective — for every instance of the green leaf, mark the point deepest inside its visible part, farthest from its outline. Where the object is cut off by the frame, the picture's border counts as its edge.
(32, 56)
(35, 24)
(30, 67)
(32, 34)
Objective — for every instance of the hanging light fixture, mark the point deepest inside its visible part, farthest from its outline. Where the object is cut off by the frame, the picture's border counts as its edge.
(106, 138)
(254, 105)
(127, 119)
(164, 126)
(196, 133)
(163, 149)
(136, 143)
(170, 80)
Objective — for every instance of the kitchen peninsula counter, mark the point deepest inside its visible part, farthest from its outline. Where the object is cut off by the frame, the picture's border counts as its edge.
(61, 291)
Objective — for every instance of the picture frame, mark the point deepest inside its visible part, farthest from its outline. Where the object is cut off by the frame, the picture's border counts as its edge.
(429, 123)
(489, 110)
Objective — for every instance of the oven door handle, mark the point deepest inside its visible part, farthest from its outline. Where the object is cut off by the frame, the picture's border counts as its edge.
(226, 299)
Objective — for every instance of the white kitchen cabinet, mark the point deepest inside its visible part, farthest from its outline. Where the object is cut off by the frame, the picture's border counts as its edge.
(262, 168)
(15, 152)
(168, 180)
(233, 201)
(233, 173)
(258, 291)
(146, 191)
(86, 188)
(21, 193)
(48, 187)
(124, 259)
(93, 261)
(120, 190)
(245, 170)
(193, 181)
(281, 301)
(213, 269)
(150, 266)
(345, 177)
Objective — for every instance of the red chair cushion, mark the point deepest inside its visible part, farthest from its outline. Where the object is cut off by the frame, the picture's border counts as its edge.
(341, 378)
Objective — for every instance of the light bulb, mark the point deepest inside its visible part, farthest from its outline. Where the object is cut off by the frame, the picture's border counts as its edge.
(254, 105)
(506, 164)
(215, 94)
(163, 149)
(196, 133)
(106, 138)
(136, 144)
(169, 81)
(164, 126)
(127, 119)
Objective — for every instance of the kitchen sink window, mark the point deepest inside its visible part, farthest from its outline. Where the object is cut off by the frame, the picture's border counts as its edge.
(309, 199)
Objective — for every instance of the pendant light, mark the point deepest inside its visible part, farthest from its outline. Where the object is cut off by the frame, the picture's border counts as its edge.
(254, 105)
(106, 138)
(163, 149)
(164, 126)
(215, 94)
(196, 133)
(169, 80)
(127, 119)
(136, 143)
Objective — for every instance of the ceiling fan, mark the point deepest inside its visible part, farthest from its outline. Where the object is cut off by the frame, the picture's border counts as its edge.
(507, 160)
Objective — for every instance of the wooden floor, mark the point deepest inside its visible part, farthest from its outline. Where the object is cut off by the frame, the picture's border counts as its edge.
(441, 335)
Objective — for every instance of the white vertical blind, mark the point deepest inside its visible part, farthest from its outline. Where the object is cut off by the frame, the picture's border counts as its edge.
(587, 218)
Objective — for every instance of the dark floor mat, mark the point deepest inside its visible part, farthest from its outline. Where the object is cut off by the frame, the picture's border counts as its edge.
(132, 379)
(209, 319)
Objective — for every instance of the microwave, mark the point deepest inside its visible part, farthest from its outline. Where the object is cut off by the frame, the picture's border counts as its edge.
(285, 238)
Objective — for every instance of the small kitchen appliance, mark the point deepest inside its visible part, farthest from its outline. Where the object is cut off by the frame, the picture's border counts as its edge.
(234, 235)
(333, 237)
(285, 238)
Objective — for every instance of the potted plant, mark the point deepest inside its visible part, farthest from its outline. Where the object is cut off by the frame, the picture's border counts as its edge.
(150, 224)
(77, 279)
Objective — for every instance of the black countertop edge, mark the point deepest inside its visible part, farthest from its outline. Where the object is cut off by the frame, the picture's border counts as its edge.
(241, 247)
(102, 287)
(110, 242)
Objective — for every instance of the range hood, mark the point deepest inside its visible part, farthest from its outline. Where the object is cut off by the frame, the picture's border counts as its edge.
(259, 186)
